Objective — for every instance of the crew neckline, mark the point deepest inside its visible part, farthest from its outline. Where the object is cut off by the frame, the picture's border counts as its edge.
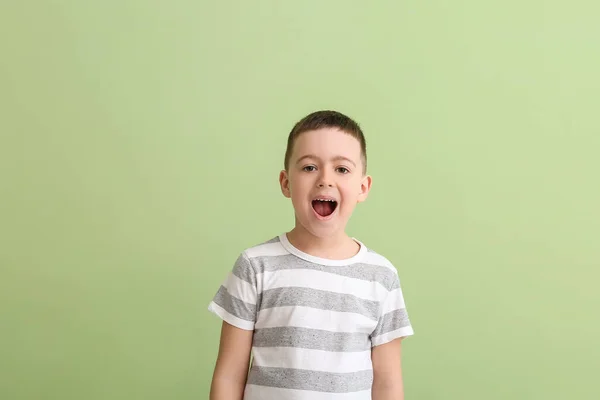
(319, 260)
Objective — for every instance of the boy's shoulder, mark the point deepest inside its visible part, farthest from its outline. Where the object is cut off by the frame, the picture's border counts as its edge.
(376, 258)
(271, 247)
(279, 246)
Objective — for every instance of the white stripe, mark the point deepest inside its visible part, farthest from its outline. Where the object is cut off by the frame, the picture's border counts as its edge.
(377, 259)
(314, 318)
(231, 319)
(266, 250)
(313, 360)
(388, 337)
(254, 392)
(394, 301)
(240, 289)
(321, 280)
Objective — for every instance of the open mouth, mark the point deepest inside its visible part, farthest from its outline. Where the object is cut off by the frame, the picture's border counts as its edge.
(324, 207)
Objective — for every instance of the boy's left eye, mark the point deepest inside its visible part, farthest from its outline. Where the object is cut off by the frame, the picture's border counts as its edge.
(343, 170)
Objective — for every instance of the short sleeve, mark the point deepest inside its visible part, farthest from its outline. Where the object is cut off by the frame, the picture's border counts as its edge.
(235, 301)
(393, 320)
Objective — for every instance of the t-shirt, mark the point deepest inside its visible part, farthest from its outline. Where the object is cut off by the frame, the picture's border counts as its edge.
(315, 320)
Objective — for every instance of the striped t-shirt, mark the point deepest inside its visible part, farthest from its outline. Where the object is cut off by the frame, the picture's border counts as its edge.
(315, 320)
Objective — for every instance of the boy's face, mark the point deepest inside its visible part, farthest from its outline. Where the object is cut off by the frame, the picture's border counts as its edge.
(325, 180)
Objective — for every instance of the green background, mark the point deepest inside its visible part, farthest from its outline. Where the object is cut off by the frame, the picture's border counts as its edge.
(141, 143)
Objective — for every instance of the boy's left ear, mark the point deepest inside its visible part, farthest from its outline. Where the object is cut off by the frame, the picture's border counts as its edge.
(365, 187)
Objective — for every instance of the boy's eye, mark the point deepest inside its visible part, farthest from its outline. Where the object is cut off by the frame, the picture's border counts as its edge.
(343, 170)
(309, 168)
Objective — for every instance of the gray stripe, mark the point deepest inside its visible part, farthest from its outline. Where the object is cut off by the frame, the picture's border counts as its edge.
(314, 339)
(274, 240)
(235, 306)
(320, 299)
(243, 270)
(391, 321)
(300, 379)
(366, 272)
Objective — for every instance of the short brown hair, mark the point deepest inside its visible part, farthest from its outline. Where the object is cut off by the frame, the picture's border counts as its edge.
(326, 119)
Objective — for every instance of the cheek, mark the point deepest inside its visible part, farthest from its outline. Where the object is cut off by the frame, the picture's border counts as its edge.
(298, 186)
(297, 192)
(351, 190)
(350, 197)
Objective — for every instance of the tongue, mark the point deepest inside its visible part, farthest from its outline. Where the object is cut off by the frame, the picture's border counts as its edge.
(323, 208)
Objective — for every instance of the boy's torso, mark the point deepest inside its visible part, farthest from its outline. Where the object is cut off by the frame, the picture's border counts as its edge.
(313, 325)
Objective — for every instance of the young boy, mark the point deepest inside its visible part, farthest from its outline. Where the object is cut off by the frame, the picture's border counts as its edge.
(321, 314)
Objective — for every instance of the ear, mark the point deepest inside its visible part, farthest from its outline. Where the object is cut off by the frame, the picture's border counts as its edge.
(284, 182)
(365, 187)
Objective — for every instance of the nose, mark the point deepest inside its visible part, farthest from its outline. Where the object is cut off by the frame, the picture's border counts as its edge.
(325, 180)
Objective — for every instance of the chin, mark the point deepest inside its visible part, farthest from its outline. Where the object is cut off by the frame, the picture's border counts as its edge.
(323, 232)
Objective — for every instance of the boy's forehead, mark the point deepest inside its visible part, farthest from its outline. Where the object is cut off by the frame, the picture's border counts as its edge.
(326, 141)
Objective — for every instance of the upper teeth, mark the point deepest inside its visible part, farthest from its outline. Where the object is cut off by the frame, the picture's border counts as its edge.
(326, 200)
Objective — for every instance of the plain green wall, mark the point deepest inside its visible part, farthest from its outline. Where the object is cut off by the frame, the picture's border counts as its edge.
(141, 143)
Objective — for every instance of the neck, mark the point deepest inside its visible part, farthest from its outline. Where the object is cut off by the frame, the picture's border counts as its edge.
(339, 246)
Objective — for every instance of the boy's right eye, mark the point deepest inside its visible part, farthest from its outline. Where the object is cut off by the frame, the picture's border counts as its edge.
(309, 168)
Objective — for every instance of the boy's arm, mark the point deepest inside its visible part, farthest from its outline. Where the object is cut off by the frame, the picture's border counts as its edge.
(231, 369)
(387, 371)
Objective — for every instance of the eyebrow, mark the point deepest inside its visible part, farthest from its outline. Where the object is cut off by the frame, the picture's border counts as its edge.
(336, 158)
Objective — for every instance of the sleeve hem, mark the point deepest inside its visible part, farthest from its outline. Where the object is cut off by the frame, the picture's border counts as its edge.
(230, 319)
(388, 337)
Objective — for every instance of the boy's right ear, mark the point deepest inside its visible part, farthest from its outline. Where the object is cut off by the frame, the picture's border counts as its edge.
(284, 182)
